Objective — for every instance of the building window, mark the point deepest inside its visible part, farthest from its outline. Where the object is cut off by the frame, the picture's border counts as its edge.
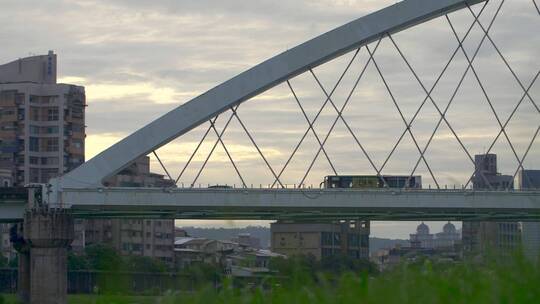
(364, 241)
(34, 144)
(49, 160)
(34, 129)
(353, 240)
(77, 143)
(50, 130)
(337, 239)
(47, 174)
(34, 175)
(77, 128)
(52, 145)
(34, 160)
(52, 114)
(326, 238)
(34, 114)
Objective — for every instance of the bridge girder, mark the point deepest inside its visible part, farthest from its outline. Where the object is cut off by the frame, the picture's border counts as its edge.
(272, 204)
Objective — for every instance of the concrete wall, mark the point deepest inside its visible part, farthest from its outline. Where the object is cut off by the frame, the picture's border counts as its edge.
(37, 69)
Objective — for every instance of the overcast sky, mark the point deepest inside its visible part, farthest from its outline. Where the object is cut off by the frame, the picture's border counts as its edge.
(139, 59)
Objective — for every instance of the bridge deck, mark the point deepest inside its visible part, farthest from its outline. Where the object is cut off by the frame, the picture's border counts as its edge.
(303, 203)
(376, 204)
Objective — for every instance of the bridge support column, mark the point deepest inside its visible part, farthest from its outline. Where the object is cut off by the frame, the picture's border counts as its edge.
(48, 233)
(23, 252)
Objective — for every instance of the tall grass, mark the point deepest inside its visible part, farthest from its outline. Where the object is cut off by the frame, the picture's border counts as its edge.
(494, 280)
(491, 280)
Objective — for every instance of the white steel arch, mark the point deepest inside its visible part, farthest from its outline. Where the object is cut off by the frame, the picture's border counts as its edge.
(252, 82)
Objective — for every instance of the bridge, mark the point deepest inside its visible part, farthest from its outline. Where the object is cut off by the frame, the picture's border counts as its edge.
(48, 215)
(290, 204)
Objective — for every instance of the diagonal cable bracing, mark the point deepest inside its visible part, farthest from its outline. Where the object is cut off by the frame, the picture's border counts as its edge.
(214, 147)
(435, 84)
(486, 33)
(311, 126)
(484, 92)
(407, 126)
(431, 99)
(524, 156)
(196, 149)
(340, 116)
(256, 146)
(508, 119)
(316, 116)
(227, 152)
(461, 81)
(536, 6)
(162, 165)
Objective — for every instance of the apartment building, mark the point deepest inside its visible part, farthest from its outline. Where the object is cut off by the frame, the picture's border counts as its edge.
(321, 239)
(42, 127)
(42, 134)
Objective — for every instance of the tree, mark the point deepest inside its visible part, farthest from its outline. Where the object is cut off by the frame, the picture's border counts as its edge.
(77, 262)
(144, 264)
(103, 258)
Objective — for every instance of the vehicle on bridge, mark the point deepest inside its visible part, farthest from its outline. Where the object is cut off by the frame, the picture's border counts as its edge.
(373, 181)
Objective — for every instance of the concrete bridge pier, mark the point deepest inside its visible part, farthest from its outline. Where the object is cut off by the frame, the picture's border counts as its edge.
(47, 234)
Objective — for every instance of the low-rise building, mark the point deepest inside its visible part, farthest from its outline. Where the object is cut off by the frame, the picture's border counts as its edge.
(321, 239)
(235, 259)
(246, 239)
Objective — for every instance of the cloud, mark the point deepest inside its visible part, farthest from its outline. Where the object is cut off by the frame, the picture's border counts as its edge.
(140, 59)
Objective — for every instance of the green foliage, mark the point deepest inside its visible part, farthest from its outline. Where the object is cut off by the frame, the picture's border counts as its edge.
(201, 274)
(144, 264)
(495, 280)
(103, 258)
(335, 265)
(77, 262)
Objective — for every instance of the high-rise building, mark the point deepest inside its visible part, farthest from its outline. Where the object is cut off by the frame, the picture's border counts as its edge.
(42, 135)
(321, 239)
(504, 237)
(528, 180)
(42, 127)
(143, 237)
(486, 176)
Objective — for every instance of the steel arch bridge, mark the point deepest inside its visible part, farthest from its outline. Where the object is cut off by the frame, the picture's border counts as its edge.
(83, 191)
